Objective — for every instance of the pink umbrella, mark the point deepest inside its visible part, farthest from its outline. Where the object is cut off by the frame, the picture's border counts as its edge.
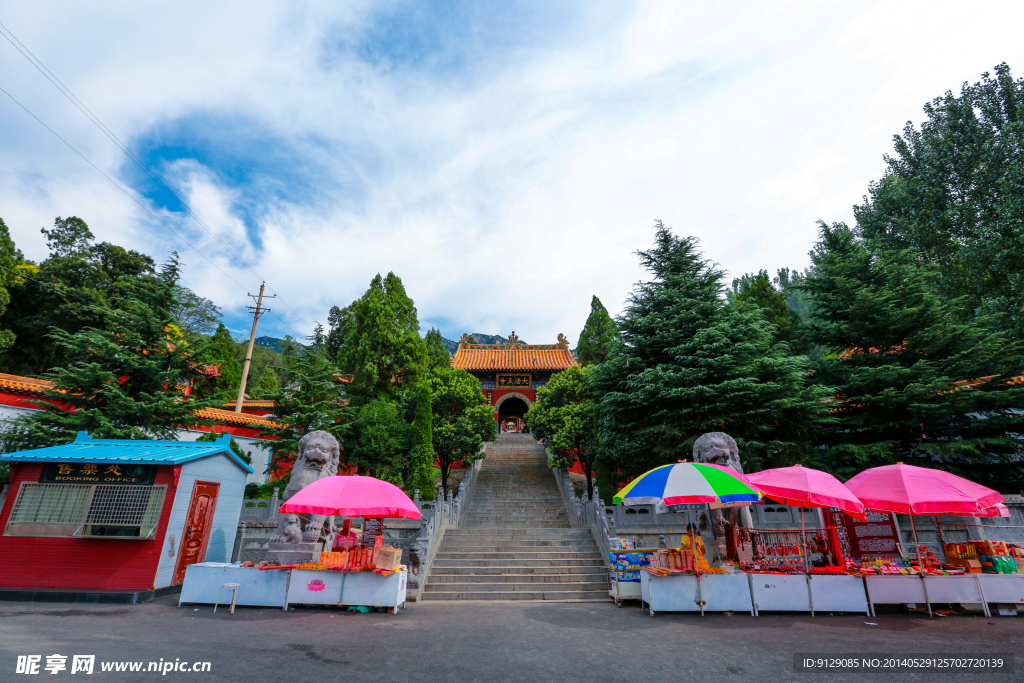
(352, 497)
(805, 486)
(906, 489)
(913, 490)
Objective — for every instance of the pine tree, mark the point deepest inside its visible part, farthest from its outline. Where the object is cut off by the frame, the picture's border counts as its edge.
(312, 399)
(918, 377)
(759, 291)
(267, 385)
(124, 384)
(381, 443)
(690, 364)
(599, 335)
(437, 354)
(382, 349)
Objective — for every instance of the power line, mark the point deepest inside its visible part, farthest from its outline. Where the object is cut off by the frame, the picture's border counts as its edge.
(64, 90)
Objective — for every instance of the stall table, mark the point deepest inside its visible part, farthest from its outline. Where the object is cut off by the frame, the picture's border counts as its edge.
(255, 588)
(893, 589)
(325, 587)
(284, 587)
(678, 593)
(808, 593)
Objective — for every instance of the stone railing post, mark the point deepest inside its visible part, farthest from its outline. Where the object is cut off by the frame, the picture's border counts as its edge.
(274, 504)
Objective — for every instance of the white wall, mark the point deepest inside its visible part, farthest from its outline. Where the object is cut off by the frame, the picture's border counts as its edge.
(259, 454)
(218, 468)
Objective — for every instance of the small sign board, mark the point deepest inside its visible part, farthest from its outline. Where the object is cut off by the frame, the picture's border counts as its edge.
(97, 473)
(876, 537)
(371, 530)
(513, 381)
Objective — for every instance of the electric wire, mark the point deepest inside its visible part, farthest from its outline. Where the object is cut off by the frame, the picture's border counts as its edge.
(95, 120)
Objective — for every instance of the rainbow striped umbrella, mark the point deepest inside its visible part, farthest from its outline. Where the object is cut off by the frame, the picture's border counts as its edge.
(690, 484)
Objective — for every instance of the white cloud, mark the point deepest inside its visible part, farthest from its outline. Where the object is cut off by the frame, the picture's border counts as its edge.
(504, 199)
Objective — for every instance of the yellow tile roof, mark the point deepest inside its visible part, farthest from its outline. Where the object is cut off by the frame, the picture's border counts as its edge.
(513, 355)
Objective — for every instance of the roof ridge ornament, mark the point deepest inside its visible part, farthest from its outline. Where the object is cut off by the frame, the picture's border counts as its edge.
(562, 341)
(513, 341)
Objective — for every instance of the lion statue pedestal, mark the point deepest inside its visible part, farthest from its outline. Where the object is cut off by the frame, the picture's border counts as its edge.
(302, 539)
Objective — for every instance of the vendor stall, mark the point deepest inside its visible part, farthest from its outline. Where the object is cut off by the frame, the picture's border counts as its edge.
(357, 574)
(690, 593)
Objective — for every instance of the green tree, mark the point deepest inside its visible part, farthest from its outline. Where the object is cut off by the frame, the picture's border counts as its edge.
(759, 291)
(195, 314)
(10, 259)
(691, 364)
(267, 384)
(382, 349)
(70, 291)
(954, 193)
(422, 451)
(215, 434)
(599, 335)
(382, 442)
(437, 354)
(122, 384)
(312, 399)
(340, 321)
(896, 350)
(566, 415)
(222, 351)
(462, 419)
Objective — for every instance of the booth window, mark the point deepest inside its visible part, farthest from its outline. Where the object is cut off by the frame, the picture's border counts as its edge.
(86, 511)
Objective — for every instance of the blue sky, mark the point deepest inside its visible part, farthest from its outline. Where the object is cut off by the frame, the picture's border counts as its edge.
(504, 159)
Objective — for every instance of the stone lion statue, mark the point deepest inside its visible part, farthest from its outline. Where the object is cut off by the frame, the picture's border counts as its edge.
(718, 448)
(317, 458)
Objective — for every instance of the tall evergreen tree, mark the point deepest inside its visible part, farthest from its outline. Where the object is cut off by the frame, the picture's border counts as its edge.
(123, 384)
(222, 351)
(382, 349)
(599, 335)
(952, 192)
(759, 291)
(312, 399)
(917, 378)
(381, 443)
(691, 364)
(437, 354)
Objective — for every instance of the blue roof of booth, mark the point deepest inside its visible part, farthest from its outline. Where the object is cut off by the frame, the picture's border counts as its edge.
(87, 449)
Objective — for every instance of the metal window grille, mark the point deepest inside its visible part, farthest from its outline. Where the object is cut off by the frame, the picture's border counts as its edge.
(51, 503)
(125, 505)
(73, 509)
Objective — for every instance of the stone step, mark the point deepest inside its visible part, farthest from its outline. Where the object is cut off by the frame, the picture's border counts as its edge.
(498, 587)
(592, 577)
(518, 544)
(526, 563)
(443, 554)
(581, 596)
(491, 569)
(523, 532)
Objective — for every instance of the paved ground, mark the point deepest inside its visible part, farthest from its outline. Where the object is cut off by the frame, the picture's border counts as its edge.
(484, 641)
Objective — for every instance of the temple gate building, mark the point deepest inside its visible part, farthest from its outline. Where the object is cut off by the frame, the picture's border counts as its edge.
(511, 373)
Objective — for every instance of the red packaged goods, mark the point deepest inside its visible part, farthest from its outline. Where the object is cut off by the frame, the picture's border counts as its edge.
(992, 548)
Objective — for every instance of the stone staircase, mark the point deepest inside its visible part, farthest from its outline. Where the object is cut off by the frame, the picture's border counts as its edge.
(515, 542)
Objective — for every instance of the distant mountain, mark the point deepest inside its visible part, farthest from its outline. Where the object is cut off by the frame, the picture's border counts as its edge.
(272, 343)
(479, 338)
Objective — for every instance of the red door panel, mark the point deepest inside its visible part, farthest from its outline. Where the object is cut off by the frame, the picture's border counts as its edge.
(197, 527)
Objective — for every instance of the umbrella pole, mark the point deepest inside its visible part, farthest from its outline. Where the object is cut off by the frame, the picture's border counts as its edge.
(696, 566)
(807, 569)
(920, 564)
(938, 527)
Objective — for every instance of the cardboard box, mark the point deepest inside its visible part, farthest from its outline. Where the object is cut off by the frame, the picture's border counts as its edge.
(991, 548)
(389, 558)
(972, 566)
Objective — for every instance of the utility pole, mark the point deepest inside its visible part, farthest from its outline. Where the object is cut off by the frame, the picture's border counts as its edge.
(257, 311)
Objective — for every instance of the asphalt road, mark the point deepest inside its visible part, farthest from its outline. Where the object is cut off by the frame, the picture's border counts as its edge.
(452, 642)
